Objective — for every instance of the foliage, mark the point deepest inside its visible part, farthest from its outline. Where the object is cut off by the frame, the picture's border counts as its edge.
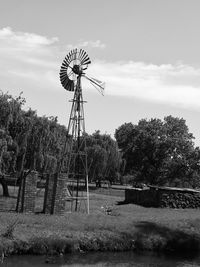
(9, 232)
(160, 152)
(28, 141)
(103, 157)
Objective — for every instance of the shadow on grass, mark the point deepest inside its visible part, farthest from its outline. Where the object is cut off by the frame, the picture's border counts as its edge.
(119, 203)
(152, 236)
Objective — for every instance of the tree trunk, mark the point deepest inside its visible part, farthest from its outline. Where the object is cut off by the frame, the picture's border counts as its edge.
(5, 186)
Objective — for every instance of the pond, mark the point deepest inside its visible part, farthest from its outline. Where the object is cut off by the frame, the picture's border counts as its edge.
(102, 259)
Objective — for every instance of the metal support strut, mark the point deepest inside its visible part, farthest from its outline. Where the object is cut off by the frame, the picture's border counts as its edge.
(75, 150)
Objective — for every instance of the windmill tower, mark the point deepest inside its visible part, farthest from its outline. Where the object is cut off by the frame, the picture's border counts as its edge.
(71, 73)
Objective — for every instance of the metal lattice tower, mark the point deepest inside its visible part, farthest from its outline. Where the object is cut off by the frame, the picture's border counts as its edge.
(71, 73)
(77, 156)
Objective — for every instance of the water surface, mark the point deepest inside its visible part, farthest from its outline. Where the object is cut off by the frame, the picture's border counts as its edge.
(103, 259)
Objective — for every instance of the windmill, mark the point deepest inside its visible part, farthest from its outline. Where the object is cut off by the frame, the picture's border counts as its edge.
(71, 73)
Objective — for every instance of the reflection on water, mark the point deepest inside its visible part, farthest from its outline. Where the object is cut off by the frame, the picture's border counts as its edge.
(103, 259)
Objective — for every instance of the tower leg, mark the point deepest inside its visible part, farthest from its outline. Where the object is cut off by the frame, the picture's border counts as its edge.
(75, 150)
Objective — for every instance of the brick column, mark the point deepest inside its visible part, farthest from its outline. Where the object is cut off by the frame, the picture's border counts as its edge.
(56, 193)
(60, 196)
(49, 189)
(28, 193)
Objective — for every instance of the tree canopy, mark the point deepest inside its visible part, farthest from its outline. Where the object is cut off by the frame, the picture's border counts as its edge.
(160, 152)
(28, 141)
(103, 157)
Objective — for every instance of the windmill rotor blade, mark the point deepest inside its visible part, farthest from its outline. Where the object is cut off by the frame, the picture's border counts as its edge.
(80, 54)
(86, 62)
(67, 59)
(70, 73)
(72, 67)
(62, 74)
(63, 80)
(63, 67)
(70, 54)
(83, 55)
(72, 87)
(84, 58)
(74, 55)
(67, 84)
(65, 62)
(70, 76)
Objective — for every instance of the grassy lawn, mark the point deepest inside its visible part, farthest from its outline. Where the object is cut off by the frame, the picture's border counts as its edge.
(126, 227)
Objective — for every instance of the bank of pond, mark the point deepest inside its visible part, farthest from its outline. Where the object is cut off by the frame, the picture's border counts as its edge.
(125, 228)
(150, 238)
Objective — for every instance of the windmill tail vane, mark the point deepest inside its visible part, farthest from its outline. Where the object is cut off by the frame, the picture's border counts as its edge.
(99, 85)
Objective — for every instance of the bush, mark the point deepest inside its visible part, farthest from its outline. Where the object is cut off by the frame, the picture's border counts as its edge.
(9, 232)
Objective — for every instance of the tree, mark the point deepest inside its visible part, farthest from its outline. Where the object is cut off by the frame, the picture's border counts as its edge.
(103, 157)
(159, 152)
(30, 141)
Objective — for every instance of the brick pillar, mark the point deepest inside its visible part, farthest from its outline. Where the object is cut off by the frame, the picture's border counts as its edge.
(28, 193)
(60, 196)
(49, 190)
(56, 193)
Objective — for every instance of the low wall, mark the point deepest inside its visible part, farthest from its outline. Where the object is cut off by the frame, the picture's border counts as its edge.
(163, 197)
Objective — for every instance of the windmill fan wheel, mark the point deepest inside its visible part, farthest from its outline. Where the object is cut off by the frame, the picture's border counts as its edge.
(73, 66)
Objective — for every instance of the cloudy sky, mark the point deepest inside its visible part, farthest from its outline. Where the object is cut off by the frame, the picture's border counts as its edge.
(147, 52)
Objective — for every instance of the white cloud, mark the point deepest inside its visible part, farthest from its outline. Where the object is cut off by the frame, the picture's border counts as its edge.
(33, 61)
(94, 44)
(24, 38)
(171, 84)
(89, 44)
(26, 58)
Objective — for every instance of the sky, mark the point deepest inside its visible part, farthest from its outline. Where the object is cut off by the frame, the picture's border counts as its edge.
(146, 51)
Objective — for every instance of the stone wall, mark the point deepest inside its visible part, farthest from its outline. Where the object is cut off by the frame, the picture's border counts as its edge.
(163, 197)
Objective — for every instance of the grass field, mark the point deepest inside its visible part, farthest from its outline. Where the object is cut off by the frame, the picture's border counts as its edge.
(124, 227)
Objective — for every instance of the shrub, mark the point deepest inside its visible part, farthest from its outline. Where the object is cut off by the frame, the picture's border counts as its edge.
(9, 232)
